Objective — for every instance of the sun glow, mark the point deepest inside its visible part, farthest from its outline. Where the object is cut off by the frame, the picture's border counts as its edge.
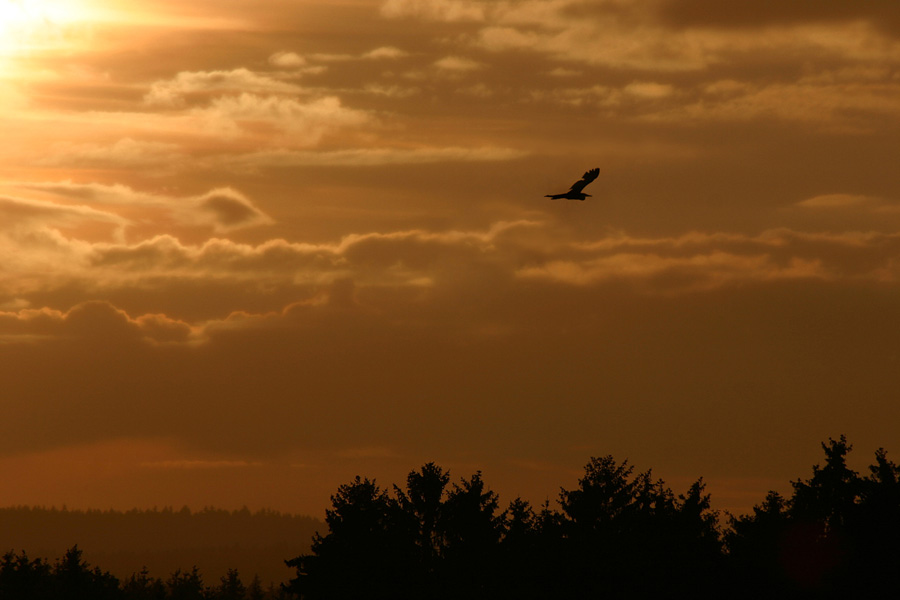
(28, 25)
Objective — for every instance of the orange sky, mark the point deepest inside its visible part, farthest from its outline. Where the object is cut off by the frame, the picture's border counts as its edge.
(253, 249)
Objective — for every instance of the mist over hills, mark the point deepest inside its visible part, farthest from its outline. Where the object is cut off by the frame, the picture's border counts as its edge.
(164, 540)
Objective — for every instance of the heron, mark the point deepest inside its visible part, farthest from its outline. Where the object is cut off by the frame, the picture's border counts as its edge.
(575, 192)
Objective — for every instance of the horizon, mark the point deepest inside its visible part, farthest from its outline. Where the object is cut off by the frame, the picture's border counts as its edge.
(253, 252)
(855, 462)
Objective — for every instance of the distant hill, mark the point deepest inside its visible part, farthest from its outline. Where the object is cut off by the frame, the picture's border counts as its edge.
(163, 540)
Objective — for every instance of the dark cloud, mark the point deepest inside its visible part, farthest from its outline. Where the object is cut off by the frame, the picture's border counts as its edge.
(230, 209)
(884, 14)
(461, 377)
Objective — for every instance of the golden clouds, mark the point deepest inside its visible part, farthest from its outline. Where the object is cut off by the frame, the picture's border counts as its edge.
(254, 161)
(630, 35)
(436, 10)
(324, 248)
(123, 153)
(30, 212)
(373, 353)
(841, 106)
(90, 322)
(838, 201)
(292, 121)
(174, 92)
(696, 262)
(221, 209)
(416, 268)
(287, 59)
(458, 64)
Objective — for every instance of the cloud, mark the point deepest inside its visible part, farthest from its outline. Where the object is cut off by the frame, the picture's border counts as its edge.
(93, 320)
(287, 59)
(303, 123)
(373, 354)
(458, 64)
(292, 60)
(219, 270)
(174, 92)
(401, 258)
(414, 288)
(836, 201)
(194, 464)
(851, 208)
(845, 101)
(760, 13)
(644, 49)
(229, 120)
(563, 72)
(225, 209)
(416, 258)
(648, 89)
(366, 157)
(629, 36)
(15, 212)
(839, 106)
(435, 10)
(114, 194)
(380, 335)
(429, 265)
(636, 99)
(391, 91)
(123, 153)
(385, 52)
(221, 209)
(702, 271)
(696, 262)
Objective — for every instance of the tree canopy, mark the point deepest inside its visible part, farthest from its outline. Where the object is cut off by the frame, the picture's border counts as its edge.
(619, 533)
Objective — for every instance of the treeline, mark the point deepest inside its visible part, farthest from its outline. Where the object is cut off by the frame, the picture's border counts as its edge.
(72, 578)
(164, 539)
(618, 534)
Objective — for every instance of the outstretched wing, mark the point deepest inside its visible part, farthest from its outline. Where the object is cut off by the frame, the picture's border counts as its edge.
(585, 179)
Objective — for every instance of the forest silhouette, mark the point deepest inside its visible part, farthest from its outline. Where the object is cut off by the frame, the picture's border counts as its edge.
(619, 533)
(163, 539)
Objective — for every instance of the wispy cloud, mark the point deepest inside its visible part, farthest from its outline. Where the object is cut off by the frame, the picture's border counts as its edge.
(435, 10)
(17, 212)
(846, 201)
(176, 91)
(195, 464)
(367, 157)
(221, 209)
(121, 154)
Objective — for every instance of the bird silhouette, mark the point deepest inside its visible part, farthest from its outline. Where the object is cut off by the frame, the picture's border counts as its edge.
(575, 192)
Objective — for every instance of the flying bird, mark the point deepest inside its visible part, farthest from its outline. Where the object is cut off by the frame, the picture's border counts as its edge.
(575, 192)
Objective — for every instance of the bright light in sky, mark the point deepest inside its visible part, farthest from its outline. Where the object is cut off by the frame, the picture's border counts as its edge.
(26, 25)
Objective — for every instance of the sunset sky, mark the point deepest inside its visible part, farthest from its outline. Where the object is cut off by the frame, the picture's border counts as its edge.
(253, 249)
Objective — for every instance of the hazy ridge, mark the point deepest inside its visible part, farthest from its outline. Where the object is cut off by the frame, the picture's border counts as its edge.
(163, 540)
